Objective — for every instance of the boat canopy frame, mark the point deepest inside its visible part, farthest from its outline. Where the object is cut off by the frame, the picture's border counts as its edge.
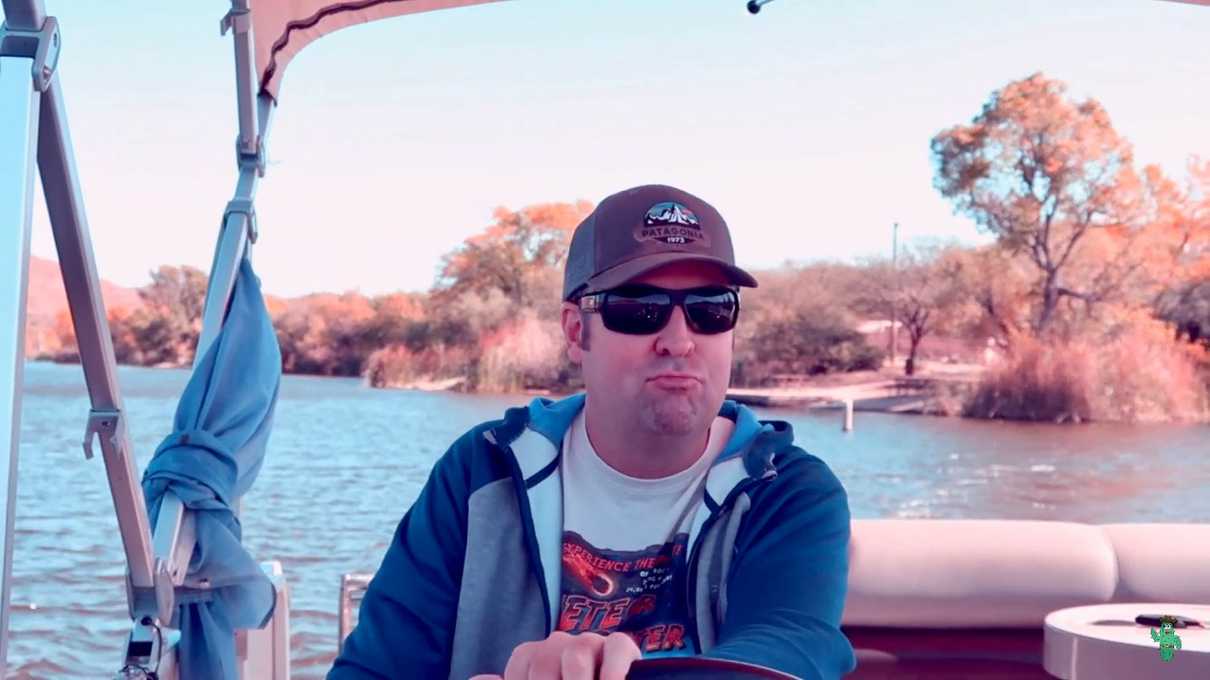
(157, 560)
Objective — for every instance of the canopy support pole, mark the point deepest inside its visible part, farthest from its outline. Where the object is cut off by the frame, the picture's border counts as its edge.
(239, 18)
(237, 233)
(174, 537)
(18, 139)
(30, 43)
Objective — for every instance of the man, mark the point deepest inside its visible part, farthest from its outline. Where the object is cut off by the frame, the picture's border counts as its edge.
(645, 517)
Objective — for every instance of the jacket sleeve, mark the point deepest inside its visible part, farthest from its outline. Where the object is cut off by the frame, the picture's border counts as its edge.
(406, 623)
(786, 589)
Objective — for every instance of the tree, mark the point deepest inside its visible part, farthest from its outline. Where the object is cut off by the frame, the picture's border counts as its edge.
(165, 329)
(926, 290)
(325, 334)
(1042, 173)
(394, 315)
(125, 342)
(1183, 243)
(806, 343)
(513, 254)
(798, 322)
(179, 292)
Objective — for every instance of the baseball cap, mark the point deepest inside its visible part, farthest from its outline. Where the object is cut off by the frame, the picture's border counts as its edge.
(637, 230)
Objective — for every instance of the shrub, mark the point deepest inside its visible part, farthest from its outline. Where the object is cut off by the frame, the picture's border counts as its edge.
(1146, 377)
(523, 354)
(1037, 382)
(803, 343)
(1137, 374)
(398, 366)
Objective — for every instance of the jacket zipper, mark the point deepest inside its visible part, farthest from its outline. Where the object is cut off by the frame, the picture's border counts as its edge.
(695, 555)
(691, 580)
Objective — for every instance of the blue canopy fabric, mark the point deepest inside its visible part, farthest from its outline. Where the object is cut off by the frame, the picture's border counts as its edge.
(212, 458)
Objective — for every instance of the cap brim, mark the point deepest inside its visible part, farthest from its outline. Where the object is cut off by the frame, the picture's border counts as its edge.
(616, 276)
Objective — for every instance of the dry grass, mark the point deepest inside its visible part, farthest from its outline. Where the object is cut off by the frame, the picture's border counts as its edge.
(523, 354)
(1140, 375)
(527, 353)
(396, 366)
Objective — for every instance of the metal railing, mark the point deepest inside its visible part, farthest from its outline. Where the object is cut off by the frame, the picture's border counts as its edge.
(352, 591)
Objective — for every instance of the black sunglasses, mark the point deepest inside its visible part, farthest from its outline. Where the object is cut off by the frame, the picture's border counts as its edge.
(643, 310)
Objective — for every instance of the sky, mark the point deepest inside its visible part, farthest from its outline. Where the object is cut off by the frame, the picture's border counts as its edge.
(807, 126)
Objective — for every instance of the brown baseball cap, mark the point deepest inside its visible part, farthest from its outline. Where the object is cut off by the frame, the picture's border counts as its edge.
(637, 230)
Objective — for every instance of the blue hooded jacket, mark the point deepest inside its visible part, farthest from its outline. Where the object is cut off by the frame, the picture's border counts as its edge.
(474, 567)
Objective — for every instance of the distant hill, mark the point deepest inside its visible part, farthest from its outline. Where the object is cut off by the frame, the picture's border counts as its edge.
(47, 300)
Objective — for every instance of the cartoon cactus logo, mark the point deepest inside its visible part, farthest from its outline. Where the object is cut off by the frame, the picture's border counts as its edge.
(1167, 637)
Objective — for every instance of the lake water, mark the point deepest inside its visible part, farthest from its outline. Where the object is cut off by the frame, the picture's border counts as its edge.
(346, 461)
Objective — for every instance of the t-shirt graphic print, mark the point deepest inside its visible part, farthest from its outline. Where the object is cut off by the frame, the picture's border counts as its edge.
(625, 544)
(638, 592)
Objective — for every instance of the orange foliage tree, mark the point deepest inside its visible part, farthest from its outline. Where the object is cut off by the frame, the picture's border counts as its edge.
(1184, 243)
(1043, 173)
(515, 255)
(491, 320)
(323, 334)
(164, 329)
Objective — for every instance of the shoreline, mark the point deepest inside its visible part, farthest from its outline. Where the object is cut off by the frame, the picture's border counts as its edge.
(931, 391)
(936, 390)
(884, 396)
(871, 391)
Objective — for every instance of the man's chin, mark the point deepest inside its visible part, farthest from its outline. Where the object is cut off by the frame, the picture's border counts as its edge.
(675, 415)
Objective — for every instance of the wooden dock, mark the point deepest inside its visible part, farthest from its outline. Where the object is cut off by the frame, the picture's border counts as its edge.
(894, 395)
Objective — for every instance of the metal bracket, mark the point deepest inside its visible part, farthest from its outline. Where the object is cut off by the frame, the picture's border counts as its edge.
(238, 19)
(105, 423)
(252, 161)
(144, 647)
(157, 601)
(244, 206)
(174, 537)
(42, 46)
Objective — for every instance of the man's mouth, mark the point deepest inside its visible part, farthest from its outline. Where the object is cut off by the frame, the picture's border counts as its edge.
(675, 381)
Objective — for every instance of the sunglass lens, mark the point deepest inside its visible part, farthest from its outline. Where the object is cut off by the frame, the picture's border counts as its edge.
(635, 313)
(714, 312)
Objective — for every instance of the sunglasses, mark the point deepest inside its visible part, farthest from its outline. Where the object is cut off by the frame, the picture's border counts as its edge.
(643, 310)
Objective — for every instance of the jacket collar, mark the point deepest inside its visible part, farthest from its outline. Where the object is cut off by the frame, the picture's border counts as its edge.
(754, 441)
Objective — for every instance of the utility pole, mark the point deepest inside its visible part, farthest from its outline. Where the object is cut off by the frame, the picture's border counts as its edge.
(895, 291)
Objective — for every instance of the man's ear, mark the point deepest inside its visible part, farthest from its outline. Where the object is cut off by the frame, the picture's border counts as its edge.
(573, 332)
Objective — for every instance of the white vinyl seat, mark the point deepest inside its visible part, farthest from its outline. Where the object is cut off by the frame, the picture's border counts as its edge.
(967, 598)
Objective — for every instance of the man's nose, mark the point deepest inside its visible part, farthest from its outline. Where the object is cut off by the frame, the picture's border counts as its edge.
(676, 338)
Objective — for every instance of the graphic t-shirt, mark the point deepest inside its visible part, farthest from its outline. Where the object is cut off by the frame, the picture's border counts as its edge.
(625, 545)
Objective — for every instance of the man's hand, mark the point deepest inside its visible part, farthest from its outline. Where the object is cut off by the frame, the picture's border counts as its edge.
(563, 656)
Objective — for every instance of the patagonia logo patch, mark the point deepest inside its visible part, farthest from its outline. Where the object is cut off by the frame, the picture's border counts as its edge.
(673, 224)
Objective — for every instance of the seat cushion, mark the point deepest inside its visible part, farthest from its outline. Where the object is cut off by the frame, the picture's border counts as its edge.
(917, 573)
(1161, 562)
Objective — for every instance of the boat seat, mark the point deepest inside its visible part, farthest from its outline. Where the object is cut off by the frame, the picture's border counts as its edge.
(967, 598)
(956, 599)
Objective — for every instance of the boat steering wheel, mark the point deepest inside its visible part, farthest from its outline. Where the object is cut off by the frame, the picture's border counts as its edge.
(701, 668)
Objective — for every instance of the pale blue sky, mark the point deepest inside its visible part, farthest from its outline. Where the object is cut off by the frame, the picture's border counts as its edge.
(807, 126)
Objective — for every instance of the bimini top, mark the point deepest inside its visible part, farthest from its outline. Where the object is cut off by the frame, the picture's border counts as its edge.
(282, 28)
